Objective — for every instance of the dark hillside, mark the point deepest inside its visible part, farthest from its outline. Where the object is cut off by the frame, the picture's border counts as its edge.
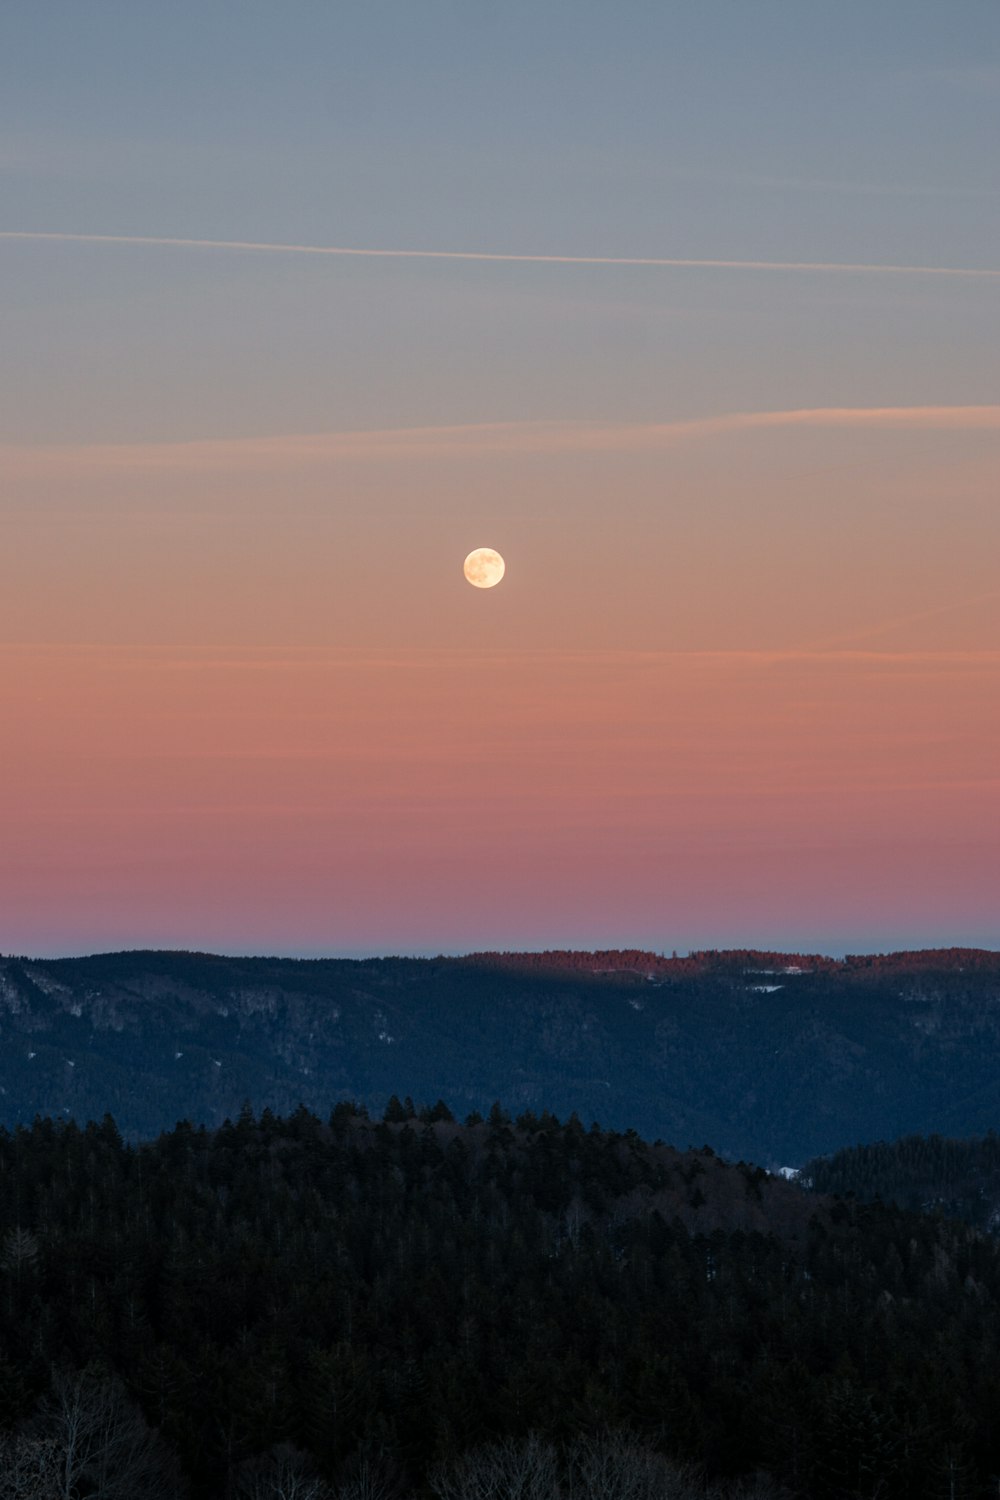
(382, 1298)
(924, 1174)
(771, 1057)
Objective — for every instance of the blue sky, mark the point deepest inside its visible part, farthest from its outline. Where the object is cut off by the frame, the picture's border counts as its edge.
(721, 128)
(777, 131)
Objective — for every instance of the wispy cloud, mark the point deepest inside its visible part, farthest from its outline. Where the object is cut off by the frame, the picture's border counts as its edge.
(414, 443)
(665, 262)
(225, 656)
(863, 189)
(899, 622)
(977, 78)
(922, 418)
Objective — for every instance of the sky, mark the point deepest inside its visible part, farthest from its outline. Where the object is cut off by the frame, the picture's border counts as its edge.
(692, 312)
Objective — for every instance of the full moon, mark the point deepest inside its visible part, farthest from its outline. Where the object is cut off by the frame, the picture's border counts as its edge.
(484, 568)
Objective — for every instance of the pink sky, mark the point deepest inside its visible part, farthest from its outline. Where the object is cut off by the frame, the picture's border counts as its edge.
(740, 685)
(690, 312)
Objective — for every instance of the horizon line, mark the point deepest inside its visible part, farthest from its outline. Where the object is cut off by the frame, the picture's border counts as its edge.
(433, 955)
(379, 253)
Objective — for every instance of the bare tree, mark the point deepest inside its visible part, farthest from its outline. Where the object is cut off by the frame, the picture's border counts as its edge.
(102, 1441)
(29, 1467)
(617, 1466)
(758, 1487)
(282, 1474)
(510, 1470)
(367, 1481)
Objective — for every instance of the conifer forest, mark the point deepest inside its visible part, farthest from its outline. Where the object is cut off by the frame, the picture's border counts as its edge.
(374, 1308)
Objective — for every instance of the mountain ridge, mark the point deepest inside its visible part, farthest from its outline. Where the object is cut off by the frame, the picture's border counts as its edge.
(771, 1057)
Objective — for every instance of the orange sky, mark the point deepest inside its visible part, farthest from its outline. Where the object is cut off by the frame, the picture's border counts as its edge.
(739, 685)
(776, 530)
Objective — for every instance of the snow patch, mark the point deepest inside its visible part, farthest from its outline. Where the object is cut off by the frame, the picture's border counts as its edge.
(47, 986)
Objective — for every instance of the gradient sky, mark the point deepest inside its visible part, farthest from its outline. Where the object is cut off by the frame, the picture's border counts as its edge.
(741, 682)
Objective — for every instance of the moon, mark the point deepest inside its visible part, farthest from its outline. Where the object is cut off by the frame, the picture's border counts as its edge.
(484, 568)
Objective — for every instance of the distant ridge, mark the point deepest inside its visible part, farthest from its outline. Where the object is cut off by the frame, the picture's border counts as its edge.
(710, 960)
(771, 1057)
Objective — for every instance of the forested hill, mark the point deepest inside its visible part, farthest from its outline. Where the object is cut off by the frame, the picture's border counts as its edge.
(925, 1174)
(660, 965)
(416, 1307)
(770, 1057)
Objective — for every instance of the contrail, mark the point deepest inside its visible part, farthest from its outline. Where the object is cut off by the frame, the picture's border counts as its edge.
(670, 262)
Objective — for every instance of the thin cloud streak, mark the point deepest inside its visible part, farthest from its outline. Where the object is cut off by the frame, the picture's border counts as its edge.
(665, 262)
(219, 454)
(224, 656)
(925, 418)
(885, 627)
